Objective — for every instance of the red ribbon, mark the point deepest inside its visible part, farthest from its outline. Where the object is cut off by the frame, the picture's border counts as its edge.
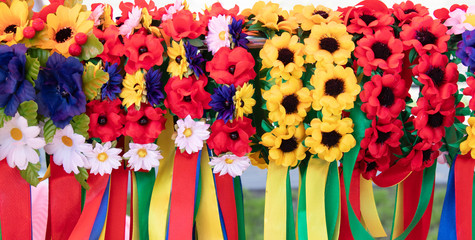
(463, 174)
(345, 230)
(227, 204)
(182, 202)
(115, 228)
(15, 203)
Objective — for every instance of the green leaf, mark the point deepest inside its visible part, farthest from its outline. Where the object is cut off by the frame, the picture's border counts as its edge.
(91, 49)
(413, 55)
(3, 117)
(30, 174)
(82, 177)
(414, 79)
(359, 71)
(93, 79)
(266, 126)
(29, 111)
(460, 127)
(40, 54)
(462, 78)
(196, 42)
(49, 130)
(80, 124)
(462, 111)
(32, 69)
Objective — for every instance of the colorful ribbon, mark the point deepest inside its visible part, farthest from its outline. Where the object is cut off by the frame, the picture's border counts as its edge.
(463, 195)
(274, 213)
(115, 225)
(317, 172)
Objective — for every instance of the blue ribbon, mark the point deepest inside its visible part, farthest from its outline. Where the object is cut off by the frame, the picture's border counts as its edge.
(101, 215)
(447, 228)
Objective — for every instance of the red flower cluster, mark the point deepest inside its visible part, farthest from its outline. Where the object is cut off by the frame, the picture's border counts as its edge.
(144, 125)
(231, 66)
(113, 44)
(366, 19)
(406, 11)
(143, 51)
(233, 136)
(380, 137)
(423, 155)
(184, 25)
(187, 96)
(432, 117)
(106, 119)
(425, 35)
(369, 165)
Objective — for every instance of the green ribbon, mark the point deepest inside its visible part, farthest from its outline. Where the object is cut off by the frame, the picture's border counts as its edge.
(145, 181)
(302, 204)
(332, 199)
(83, 197)
(239, 207)
(290, 211)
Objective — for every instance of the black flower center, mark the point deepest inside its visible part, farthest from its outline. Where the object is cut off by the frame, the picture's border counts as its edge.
(285, 56)
(143, 50)
(386, 97)
(102, 40)
(334, 87)
(435, 120)
(381, 50)
(290, 103)
(187, 98)
(368, 18)
(437, 76)
(121, 39)
(10, 29)
(330, 139)
(227, 104)
(425, 37)
(426, 155)
(370, 166)
(234, 135)
(143, 121)
(382, 137)
(178, 59)
(242, 103)
(321, 13)
(280, 19)
(330, 44)
(102, 120)
(231, 69)
(410, 10)
(288, 145)
(64, 93)
(64, 34)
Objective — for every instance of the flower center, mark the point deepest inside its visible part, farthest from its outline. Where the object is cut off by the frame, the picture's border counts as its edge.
(229, 161)
(370, 166)
(67, 141)
(368, 18)
(334, 87)
(187, 98)
(290, 103)
(330, 139)
(227, 104)
(437, 75)
(242, 103)
(231, 69)
(435, 120)
(410, 10)
(425, 37)
(142, 152)
(285, 56)
(222, 35)
(288, 145)
(234, 135)
(321, 13)
(16, 134)
(10, 29)
(178, 59)
(426, 155)
(102, 40)
(102, 157)
(143, 50)
(102, 120)
(188, 132)
(330, 44)
(143, 121)
(386, 97)
(382, 137)
(280, 19)
(470, 18)
(381, 50)
(64, 34)
(64, 94)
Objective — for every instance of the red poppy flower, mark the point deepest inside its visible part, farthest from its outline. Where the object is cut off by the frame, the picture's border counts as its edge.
(369, 165)
(379, 137)
(406, 11)
(47, 9)
(144, 125)
(470, 91)
(231, 66)
(126, 7)
(438, 76)
(113, 45)
(425, 35)
(432, 118)
(423, 155)
(381, 50)
(443, 14)
(187, 96)
(231, 136)
(106, 119)
(383, 97)
(217, 9)
(367, 21)
(183, 25)
(143, 51)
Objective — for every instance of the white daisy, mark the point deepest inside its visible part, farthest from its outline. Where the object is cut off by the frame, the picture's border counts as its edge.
(18, 142)
(96, 15)
(218, 34)
(230, 164)
(103, 158)
(68, 149)
(172, 10)
(143, 156)
(133, 21)
(191, 134)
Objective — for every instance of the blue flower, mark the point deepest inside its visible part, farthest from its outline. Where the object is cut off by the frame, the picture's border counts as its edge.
(194, 58)
(154, 87)
(239, 38)
(222, 102)
(14, 88)
(113, 87)
(466, 49)
(60, 89)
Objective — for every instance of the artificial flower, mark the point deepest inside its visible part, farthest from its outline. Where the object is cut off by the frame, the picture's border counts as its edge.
(218, 33)
(194, 59)
(217, 9)
(61, 96)
(259, 7)
(369, 165)
(144, 125)
(329, 43)
(171, 9)
(423, 155)
(461, 21)
(106, 119)
(367, 20)
(257, 160)
(466, 49)
(285, 145)
(284, 55)
(143, 156)
(222, 102)
(469, 143)
(309, 15)
(14, 19)
(381, 136)
(406, 11)
(126, 7)
(191, 134)
(68, 149)
(101, 14)
(243, 100)
(431, 118)
(154, 87)
(275, 18)
(104, 158)
(230, 164)
(234, 66)
(19, 143)
(425, 34)
(187, 96)
(232, 136)
(134, 91)
(112, 88)
(183, 25)
(143, 51)
(178, 65)
(112, 42)
(443, 13)
(150, 24)
(133, 21)
(330, 138)
(469, 91)
(239, 37)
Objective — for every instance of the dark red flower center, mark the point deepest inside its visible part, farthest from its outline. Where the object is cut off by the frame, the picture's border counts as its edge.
(410, 10)
(330, 139)
(102, 40)
(242, 103)
(234, 135)
(178, 59)
(426, 155)
(10, 29)
(187, 98)
(102, 120)
(367, 18)
(381, 50)
(437, 75)
(330, 44)
(231, 69)
(321, 13)
(288, 145)
(142, 50)
(227, 104)
(285, 56)
(64, 34)
(143, 121)
(425, 37)
(334, 87)
(386, 97)
(280, 19)
(382, 137)
(435, 120)
(290, 103)
(121, 39)
(370, 166)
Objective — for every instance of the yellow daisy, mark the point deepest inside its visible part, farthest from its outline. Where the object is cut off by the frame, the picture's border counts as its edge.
(260, 7)
(13, 19)
(309, 15)
(329, 43)
(469, 144)
(134, 90)
(277, 19)
(285, 145)
(284, 55)
(243, 100)
(330, 138)
(177, 66)
(335, 90)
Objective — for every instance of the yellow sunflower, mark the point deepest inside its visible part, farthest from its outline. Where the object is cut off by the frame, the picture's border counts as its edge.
(469, 144)
(134, 90)
(277, 19)
(309, 15)
(257, 160)
(329, 43)
(284, 54)
(243, 100)
(335, 90)
(259, 7)
(285, 145)
(64, 25)
(149, 24)
(13, 19)
(177, 66)
(288, 103)
(330, 138)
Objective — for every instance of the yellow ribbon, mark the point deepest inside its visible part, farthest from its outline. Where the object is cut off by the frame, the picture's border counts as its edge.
(369, 213)
(399, 214)
(317, 172)
(135, 208)
(275, 211)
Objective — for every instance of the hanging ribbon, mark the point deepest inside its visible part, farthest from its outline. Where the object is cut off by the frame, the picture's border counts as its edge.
(98, 229)
(118, 204)
(463, 195)
(332, 201)
(369, 212)
(239, 207)
(317, 172)
(15, 204)
(145, 181)
(290, 211)
(227, 203)
(275, 200)
(134, 208)
(302, 202)
(447, 229)
(345, 230)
